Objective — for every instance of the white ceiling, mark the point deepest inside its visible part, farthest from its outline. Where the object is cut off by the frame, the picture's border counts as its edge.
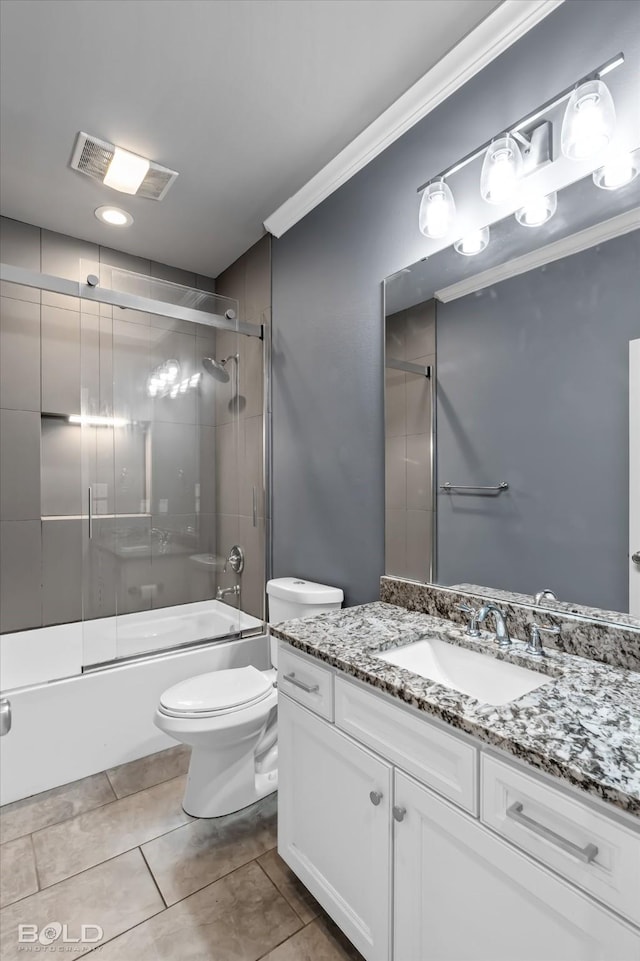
(247, 99)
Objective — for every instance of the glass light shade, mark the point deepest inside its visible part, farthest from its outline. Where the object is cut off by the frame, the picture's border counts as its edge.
(437, 210)
(618, 171)
(473, 243)
(501, 171)
(589, 121)
(537, 210)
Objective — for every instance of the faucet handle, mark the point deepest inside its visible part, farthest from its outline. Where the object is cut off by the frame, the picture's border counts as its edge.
(472, 625)
(535, 641)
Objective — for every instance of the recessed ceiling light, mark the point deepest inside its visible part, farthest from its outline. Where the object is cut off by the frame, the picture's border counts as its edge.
(126, 171)
(114, 216)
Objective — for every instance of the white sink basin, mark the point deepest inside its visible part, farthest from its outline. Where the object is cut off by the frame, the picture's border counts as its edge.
(478, 675)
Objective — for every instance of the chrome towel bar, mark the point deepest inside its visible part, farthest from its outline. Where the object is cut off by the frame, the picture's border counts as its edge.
(451, 488)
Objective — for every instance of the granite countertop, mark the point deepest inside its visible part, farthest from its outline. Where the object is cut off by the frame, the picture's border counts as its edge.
(583, 725)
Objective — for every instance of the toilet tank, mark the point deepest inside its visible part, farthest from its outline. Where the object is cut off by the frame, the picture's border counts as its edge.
(291, 597)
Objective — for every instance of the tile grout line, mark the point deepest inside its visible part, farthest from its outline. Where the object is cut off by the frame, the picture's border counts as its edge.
(281, 893)
(35, 864)
(153, 877)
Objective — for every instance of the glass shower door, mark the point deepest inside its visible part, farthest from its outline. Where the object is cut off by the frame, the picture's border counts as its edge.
(160, 449)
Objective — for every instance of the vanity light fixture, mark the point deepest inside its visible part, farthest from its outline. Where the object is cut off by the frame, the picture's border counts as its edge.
(537, 210)
(114, 216)
(617, 171)
(473, 243)
(437, 210)
(588, 126)
(95, 420)
(589, 121)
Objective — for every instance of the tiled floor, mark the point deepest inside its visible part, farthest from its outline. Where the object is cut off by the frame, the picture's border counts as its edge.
(117, 850)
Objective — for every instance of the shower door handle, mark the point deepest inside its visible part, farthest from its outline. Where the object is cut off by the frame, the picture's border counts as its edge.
(90, 513)
(255, 506)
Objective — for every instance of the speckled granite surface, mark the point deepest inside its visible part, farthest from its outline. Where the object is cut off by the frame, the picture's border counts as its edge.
(582, 725)
(616, 644)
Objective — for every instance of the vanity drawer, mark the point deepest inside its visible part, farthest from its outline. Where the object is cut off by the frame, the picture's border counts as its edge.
(586, 847)
(440, 760)
(306, 682)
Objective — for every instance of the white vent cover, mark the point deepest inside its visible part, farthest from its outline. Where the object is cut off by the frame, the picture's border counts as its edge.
(92, 157)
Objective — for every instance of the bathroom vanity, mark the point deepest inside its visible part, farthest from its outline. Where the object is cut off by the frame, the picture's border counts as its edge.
(431, 825)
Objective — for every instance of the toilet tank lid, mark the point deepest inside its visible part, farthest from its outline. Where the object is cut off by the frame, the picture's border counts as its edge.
(299, 591)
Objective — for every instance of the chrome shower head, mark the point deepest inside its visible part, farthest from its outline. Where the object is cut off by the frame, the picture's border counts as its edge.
(216, 369)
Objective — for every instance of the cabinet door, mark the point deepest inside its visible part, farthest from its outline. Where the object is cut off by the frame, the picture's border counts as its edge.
(330, 832)
(463, 894)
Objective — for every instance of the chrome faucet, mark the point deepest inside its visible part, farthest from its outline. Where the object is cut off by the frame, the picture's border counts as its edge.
(502, 633)
(223, 592)
(163, 536)
(540, 596)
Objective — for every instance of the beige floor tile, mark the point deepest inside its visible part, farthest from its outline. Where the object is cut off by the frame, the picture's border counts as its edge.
(319, 941)
(197, 854)
(235, 919)
(17, 871)
(301, 900)
(146, 771)
(50, 807)
(115, 895)
(74, 846)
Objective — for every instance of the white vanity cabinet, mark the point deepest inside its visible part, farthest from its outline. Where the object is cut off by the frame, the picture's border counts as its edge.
(462, 893)
(334, 807)
(382, 824)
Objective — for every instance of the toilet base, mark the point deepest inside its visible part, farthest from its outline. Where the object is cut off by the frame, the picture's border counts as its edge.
(213, 790)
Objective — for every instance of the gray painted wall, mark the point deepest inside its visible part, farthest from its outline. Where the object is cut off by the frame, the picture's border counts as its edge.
(328, 453)
(533, 379)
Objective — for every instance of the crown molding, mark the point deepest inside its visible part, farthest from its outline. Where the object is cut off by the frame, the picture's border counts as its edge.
(506, 24)
(573, 244)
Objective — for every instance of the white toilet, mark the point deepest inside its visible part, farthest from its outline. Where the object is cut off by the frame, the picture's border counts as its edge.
(229, 718)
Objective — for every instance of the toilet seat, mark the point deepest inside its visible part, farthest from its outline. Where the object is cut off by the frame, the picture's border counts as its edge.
(216, 693)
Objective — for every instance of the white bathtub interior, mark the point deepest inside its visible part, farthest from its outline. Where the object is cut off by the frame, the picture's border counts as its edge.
(51, 653)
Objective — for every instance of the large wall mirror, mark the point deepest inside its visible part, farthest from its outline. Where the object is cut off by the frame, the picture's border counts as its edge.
(512, 389)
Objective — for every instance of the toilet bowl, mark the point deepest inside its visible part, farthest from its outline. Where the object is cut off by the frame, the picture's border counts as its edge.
(229, 718)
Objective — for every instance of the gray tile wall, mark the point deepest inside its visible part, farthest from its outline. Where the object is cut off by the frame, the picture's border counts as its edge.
(409, 335)
(49, 344)
(239, 442)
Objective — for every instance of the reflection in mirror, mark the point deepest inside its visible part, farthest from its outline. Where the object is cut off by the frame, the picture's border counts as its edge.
(536, 345)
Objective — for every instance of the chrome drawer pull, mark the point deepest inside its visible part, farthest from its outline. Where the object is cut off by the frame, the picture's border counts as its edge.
(375, 797)
(307, 688)
(586, 854)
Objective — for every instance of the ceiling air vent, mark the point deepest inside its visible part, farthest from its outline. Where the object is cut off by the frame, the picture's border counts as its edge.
(92, 157)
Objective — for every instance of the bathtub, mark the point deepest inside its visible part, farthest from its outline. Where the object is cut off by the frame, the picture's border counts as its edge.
(69, 722)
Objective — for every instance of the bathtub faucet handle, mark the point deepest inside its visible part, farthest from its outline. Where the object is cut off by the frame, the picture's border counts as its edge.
(234, 560)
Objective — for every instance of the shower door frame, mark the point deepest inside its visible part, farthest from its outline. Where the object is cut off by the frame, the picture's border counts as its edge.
(91, 291)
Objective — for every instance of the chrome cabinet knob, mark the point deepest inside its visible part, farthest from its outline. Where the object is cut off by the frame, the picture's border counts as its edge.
(399, 813)
(636, 557)
(375, 797)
